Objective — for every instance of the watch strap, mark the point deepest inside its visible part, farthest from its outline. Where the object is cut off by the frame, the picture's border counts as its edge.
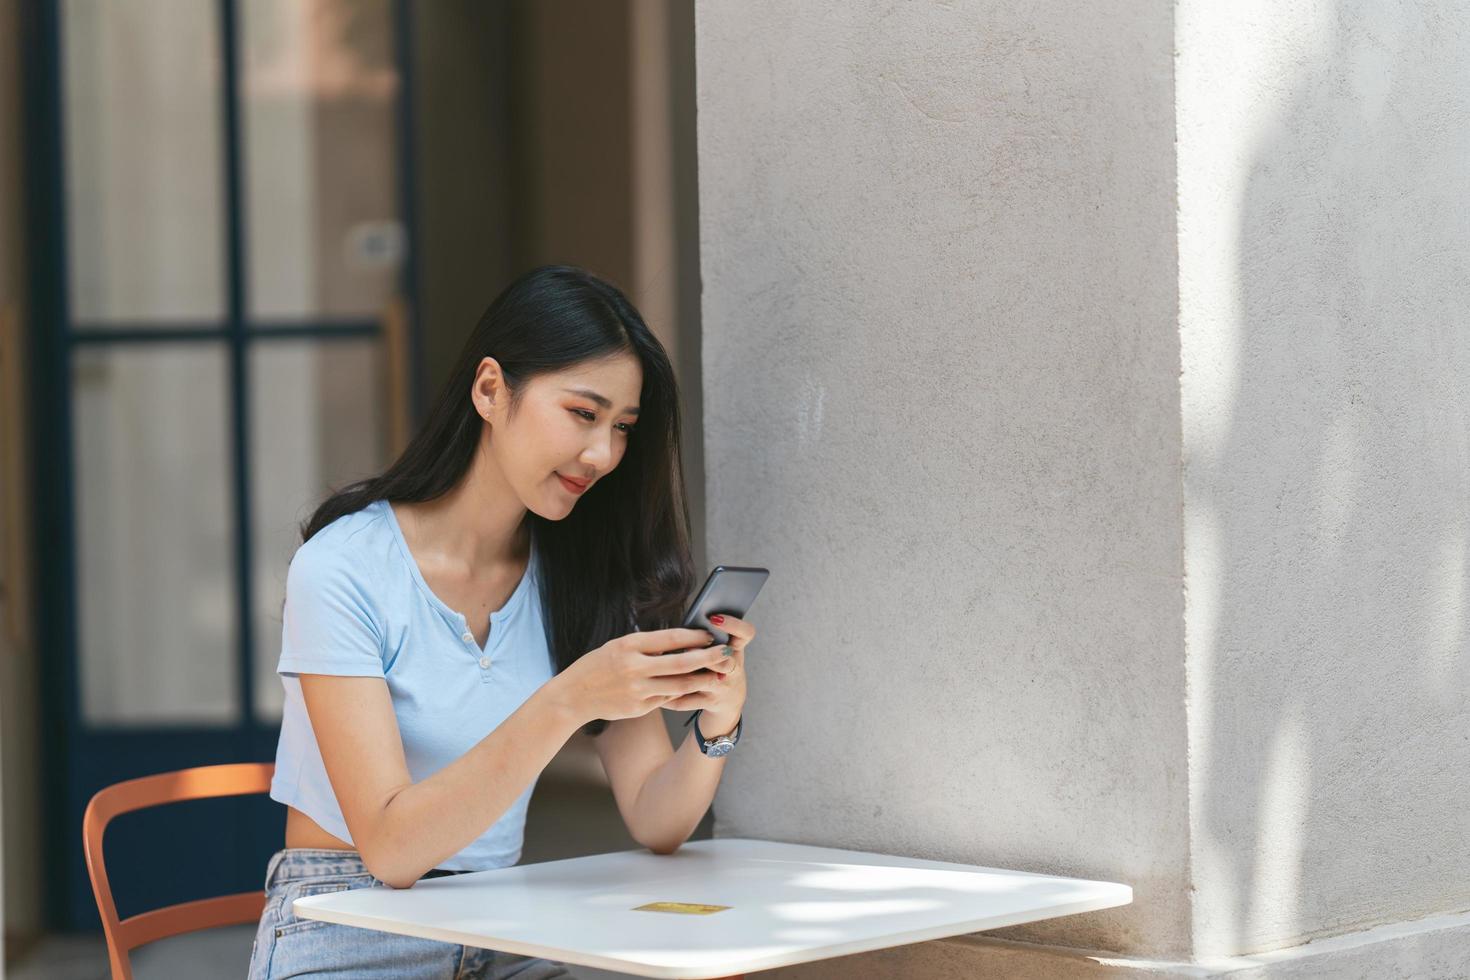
(734, 736)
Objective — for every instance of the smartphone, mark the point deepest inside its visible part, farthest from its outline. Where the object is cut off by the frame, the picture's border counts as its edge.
(731, 590)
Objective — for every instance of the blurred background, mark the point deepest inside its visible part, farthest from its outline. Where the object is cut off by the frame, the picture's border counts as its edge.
(240, 242)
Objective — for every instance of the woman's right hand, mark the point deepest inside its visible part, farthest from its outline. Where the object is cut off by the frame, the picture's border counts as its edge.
(629, 676)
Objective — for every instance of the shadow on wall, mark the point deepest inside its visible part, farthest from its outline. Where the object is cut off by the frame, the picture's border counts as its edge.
(1326, 462)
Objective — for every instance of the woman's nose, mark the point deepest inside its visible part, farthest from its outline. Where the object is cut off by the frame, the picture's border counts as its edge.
(599, 454)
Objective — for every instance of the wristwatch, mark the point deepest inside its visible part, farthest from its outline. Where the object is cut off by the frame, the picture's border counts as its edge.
(720, 744)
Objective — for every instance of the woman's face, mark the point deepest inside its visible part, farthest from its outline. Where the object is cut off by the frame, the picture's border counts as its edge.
(561, 432)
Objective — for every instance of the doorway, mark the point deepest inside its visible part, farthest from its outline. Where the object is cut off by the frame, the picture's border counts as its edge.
(221, 333)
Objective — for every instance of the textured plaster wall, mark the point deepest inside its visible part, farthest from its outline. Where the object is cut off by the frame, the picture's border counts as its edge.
(1324, 235)
(941, 394)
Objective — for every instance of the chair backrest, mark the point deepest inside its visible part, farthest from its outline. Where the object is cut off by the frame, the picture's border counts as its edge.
(200, 783)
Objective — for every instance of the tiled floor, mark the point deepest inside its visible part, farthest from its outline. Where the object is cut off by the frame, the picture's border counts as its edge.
(572, 813)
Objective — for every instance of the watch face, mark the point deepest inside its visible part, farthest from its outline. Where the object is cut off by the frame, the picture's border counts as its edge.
(720, 747)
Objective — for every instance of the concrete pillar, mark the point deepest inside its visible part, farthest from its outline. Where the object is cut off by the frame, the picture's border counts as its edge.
(1115, 501)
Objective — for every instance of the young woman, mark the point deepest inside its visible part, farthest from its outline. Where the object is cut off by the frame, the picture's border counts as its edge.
(448, 625)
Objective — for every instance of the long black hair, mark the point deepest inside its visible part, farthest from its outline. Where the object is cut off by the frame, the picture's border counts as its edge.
(622, 556)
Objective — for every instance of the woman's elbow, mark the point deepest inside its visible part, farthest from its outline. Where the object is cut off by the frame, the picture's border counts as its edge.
(389, 872)
(396, 879)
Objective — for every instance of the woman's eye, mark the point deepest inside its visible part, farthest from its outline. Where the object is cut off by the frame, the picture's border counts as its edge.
(627, 427)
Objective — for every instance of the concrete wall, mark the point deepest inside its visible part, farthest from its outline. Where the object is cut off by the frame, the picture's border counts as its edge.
(1324, 168)
(942, 406)
(1115, 504)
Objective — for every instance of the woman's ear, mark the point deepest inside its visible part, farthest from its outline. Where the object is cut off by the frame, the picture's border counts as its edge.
(488, 390)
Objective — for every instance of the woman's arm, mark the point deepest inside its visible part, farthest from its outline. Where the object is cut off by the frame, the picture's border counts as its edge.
(674, 789)
(663, 794)
(403, 828)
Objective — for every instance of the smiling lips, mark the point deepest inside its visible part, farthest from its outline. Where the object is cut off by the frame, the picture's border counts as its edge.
(572, 485)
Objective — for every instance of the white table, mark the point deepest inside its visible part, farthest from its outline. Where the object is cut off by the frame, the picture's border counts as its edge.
(771, 904)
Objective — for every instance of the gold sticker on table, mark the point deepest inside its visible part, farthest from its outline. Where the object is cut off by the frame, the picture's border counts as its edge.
(686, 908)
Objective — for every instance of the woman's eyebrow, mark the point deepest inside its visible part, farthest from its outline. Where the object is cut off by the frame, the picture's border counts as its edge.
(600, 400)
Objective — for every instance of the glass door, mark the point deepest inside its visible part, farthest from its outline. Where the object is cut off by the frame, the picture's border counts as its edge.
(222, 341)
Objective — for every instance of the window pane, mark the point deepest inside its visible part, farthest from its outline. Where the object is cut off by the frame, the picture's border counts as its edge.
(144, 180)
(317, 421)
(155, 541)
(319, 88)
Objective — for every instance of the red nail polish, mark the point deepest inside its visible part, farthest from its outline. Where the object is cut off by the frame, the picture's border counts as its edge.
(717, 619)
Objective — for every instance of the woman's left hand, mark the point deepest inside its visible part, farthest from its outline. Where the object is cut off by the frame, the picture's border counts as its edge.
(721, 704)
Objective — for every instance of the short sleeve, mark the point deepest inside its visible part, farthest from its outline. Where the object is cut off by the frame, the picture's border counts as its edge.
(330, 623)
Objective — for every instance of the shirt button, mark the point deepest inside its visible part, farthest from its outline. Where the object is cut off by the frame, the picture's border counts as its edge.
(484, 661)
(467, 636)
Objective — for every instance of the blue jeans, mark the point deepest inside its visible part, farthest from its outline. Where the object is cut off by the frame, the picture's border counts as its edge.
(289, 946)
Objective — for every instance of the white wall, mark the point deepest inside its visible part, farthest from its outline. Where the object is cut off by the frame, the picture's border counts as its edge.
(1116, 505)
(941, 405)
(1324, 170)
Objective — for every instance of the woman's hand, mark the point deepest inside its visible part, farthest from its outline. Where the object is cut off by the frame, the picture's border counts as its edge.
(721, 704)
(630, 675)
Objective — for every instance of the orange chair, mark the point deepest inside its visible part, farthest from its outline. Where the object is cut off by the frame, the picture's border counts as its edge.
(199, 783)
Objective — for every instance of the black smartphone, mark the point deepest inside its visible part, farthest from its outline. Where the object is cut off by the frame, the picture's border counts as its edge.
(731, 590)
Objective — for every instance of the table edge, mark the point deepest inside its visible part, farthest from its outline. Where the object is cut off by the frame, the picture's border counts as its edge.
(733, 966)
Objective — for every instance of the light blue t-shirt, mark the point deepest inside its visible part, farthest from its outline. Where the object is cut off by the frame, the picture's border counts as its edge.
(356, 604)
